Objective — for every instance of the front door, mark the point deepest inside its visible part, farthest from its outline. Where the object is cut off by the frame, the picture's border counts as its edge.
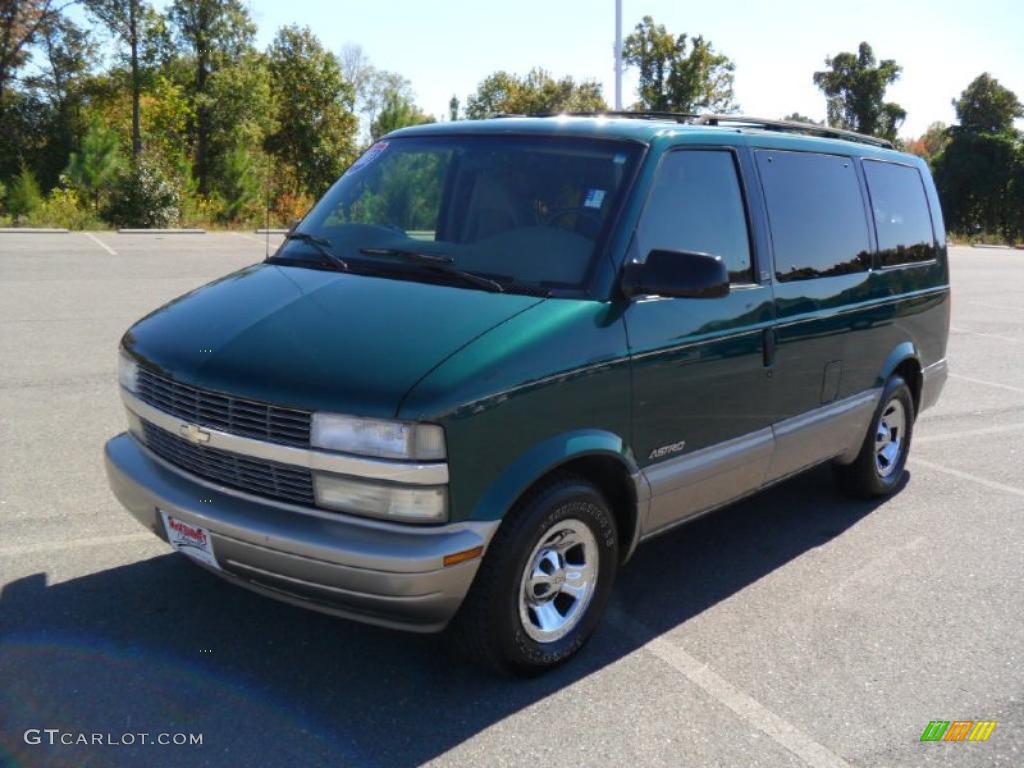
(701, 406)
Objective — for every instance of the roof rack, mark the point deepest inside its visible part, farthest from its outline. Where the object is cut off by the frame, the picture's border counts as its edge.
(784, 126)
(792, 126)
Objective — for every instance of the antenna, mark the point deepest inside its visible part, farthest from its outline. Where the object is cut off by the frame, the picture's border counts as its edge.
(618, 54)
(266, 231)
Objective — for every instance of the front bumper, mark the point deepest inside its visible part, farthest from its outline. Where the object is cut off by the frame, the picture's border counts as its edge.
(370, 571)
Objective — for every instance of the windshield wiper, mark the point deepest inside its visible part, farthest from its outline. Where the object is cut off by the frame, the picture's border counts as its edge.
(322, 245)
(438, 262)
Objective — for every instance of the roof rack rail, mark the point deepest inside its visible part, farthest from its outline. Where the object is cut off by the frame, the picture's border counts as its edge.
(793, 127)
(786, 126)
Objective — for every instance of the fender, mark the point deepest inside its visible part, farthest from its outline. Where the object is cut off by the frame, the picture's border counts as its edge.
(906, 350)
(553, 453)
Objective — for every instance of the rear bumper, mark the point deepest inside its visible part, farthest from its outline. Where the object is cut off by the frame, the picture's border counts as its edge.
(374, 572)
(933, 379)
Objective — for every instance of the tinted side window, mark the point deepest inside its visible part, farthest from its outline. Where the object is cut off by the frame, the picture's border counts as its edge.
(696, 204)
(816, 214)
(902, 220)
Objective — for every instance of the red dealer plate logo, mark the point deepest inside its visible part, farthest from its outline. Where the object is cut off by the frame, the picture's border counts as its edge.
(191, 540)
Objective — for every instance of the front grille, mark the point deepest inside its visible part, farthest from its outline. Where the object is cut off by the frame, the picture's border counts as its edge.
(266, 478)
(227, 413)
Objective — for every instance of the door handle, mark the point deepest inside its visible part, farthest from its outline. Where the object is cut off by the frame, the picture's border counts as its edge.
(768, 348)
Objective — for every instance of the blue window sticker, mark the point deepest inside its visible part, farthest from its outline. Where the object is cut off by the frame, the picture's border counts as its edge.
(594, 198)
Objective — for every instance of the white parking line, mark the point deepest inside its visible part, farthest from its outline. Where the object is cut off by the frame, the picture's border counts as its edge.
(995, 384)
(249, 237)
(100, 243)
(782, 732)
(926, 438)
(60, 546)
(993, 484)
(994, 306)
(987, 335)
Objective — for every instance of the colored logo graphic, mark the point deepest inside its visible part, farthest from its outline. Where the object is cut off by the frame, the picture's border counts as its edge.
(958, 730)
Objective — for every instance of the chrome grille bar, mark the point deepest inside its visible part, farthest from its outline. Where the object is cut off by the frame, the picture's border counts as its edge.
(248, 418)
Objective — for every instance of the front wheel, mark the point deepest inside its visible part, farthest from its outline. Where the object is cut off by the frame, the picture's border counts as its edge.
(544, 582)
(878, 468)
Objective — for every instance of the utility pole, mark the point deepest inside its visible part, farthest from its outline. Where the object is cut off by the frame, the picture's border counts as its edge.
(618, 55)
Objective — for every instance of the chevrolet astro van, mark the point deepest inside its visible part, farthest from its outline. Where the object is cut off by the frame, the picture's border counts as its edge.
(498, 355)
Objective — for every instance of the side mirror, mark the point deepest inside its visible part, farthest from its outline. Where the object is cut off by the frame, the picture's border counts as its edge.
(677, 274)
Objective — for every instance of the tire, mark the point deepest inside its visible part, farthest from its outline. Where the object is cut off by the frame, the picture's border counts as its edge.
(503, 628)
(880, 465)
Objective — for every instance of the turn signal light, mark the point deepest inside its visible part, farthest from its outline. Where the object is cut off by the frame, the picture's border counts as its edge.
(461, 557)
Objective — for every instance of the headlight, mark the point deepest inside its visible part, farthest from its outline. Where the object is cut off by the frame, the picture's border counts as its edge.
(401, 503)
(127, 371)
(378, 437)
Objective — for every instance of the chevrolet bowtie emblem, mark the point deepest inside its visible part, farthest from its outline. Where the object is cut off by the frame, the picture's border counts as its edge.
(194, 433)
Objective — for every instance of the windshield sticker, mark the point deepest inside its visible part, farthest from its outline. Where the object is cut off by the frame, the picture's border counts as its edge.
(369, 156)
(619, 159)
(594, 198)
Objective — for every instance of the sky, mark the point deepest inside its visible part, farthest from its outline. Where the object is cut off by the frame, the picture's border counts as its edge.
(447, 47)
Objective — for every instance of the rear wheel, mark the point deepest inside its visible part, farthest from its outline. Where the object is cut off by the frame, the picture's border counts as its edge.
(544, 582)
(879, 467)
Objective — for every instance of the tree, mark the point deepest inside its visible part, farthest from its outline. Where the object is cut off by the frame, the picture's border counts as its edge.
(66, 54)
(357, 69)
(124, 19)
(678, 74)
(397, 112)
(20, 22)
(316, 128)
(980, 172)
(930, 143)
(1015, 198)
(143, 196)
(536, 93)
(973, 176)
(95, 167)
(985, 106)
(372, 88)
(796, 117)
(28, 119)
(239, 183)
(69, 55)
(241, 105)
(24, 196)
(216, 32)
(453, 108)
(854, 86)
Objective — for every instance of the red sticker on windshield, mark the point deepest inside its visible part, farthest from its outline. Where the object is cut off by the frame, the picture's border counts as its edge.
(369, 156)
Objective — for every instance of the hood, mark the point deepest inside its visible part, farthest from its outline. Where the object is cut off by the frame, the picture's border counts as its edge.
(314, 339)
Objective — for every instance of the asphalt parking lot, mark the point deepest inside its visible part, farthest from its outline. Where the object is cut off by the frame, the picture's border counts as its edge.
(794, 629)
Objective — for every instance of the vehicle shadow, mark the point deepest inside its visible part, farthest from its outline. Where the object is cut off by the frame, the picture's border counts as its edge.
(160, 646)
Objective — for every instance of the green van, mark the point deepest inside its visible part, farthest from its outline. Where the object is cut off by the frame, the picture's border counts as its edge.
(498, 355)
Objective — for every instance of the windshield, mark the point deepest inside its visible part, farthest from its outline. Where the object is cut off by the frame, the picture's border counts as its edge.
(522, 211)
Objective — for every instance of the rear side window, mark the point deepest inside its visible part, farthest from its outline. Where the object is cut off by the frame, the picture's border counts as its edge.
(696, 204)
(902, 219)
(816, 214)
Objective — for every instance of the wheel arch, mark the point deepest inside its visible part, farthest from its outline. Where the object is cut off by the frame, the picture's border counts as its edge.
(597, 456)
(904, 360)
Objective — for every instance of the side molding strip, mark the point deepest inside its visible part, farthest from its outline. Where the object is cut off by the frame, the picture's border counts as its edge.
(695, 483)
(687, 485)
(834, 430)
